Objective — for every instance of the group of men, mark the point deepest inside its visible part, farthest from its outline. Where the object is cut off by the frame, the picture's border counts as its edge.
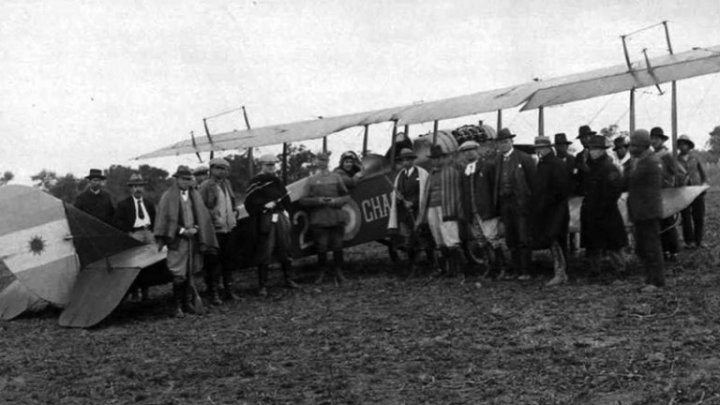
(489, 186)
(196, 217)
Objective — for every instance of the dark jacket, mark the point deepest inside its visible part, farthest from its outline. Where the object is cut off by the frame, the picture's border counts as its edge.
(644, 183)
(98, 205)
(265, 188)
(522, 178)
(478, 188)
(694, 169)
(125, 213)
(580, 170)
(569, 161)
(325, 195)
(550, 212)
(601, 225)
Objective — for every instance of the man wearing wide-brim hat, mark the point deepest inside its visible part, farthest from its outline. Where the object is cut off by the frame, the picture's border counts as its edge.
(408, 191)
(441, 207)
(477, 183)
(94, 200)
(135, 215)
(550, 212)
(183, 224)
(219, 197)
(582, 158)
(601, 225)
(268, 205)
(515, 179)
(693, 217)
(673, 176)
(621, 155)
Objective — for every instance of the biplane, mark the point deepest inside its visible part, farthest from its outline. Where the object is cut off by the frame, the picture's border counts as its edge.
(55, 253)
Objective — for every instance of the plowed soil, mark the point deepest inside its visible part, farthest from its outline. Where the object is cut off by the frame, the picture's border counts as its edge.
(384, 339)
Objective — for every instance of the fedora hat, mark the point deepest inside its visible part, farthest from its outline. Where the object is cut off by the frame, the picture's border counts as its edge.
(183, 171)
(542, 142)
(584, 131)
(136, 179)
(561, 139)
(436, 151)
(620, 142)
(504, 134)
(658, 133)
(407, 153)
(598, 142)
(686, 139)
(95, 174)
(640, 138)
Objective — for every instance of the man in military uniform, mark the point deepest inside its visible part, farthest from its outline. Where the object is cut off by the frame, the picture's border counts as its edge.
(219, 198)
(645, 208)
(268, 203)
(135, 216)
(183, 224)
(601, 225)
(94, 200)
(325, 194)
(671, 178)
(409, 190)
(514, 188)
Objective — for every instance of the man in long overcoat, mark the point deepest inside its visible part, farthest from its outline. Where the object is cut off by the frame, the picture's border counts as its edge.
(645, 207)
(183, 224)
(514, 188)
(601, 225)
(550, 211)
(582, 158)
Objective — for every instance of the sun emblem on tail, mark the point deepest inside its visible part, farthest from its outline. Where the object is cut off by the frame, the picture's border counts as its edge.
(37, 245)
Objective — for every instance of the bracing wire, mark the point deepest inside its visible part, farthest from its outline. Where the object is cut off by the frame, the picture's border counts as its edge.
(607, 103)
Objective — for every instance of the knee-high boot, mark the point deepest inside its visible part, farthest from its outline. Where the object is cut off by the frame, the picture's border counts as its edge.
(490, 260)
(262, 280)
(559, 265)
(228, 285)
(337, 266)
(212, 284)
(178, 298)
(288, 275)
(322, 264)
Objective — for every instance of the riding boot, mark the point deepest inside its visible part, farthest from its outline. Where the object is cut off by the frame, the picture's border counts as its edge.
(229, 294)
(500, 264)
(443, 261)
(262, 280)
(322, 265)
(288, 275)
(525, 262)
(212, 284)
(178, 298)
(411, 270)
(337, 266)
(490, 260)
(559, 265)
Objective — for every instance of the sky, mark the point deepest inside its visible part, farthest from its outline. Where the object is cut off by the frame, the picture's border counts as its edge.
(89, 84)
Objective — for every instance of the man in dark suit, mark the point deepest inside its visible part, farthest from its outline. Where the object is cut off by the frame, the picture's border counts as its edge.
(582, 158)
(601, 226)
(645, 208)
(94, 200)
(551, 213)
(136, 216)
(671, 175)
(514, 187)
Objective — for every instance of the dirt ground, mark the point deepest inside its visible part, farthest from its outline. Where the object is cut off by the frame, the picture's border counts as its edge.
(383, 339)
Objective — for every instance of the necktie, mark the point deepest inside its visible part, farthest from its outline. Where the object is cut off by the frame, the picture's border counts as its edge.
(140, 212)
